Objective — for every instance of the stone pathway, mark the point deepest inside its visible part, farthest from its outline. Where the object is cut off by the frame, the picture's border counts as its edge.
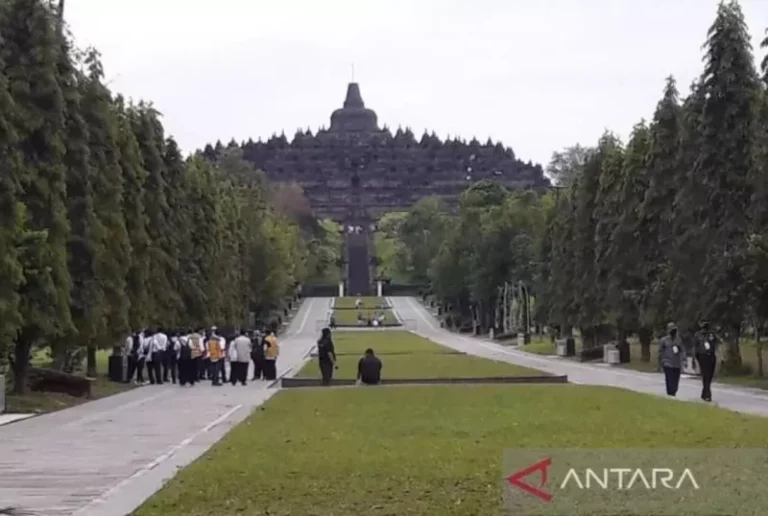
(741, 399)
(104, 458)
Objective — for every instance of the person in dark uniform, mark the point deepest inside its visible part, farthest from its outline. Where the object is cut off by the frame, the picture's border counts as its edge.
(671, 358)
(705, 347)
(326, 355)
(369, 369)
(257, 355)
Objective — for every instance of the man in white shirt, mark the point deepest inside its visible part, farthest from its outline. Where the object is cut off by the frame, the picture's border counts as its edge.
(239, 358)
(157, 344)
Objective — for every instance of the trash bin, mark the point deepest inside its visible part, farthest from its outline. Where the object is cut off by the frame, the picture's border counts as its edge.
(624, 352)
(570, 347)
(118, 368)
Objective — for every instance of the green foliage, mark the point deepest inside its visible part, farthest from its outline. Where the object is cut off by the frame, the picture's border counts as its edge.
(105, 227)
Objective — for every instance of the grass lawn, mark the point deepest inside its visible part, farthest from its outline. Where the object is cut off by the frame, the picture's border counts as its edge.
(349, 317)
(423, 451)
(407, 355)
(383, 343)
(40, 402)
(368, 302)
(426, 366)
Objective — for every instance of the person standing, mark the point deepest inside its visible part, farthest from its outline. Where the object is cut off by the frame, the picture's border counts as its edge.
(186, 364)
(154, 352)
(705, 347)
(170, 358)
(326, 356)
(133, 344)
(671, 358)
(240, 357)
(197, 346)
(216, 351)
(369, 369)
(271, 353)
(257, 355)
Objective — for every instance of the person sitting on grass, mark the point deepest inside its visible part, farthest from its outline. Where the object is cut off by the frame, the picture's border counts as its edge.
(369, 369)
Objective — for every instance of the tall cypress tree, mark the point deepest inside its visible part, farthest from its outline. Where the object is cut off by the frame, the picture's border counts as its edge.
(725, 167)
(11, 213)
(178, 216)
(114, 260)
(134, 178)
(32, 54)
(87, 235)
(149, 135)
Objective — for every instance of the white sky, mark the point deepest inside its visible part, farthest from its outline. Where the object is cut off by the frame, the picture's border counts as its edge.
(538, 75)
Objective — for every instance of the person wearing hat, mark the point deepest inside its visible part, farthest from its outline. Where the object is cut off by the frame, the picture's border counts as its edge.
(705, 347)
(671, 358)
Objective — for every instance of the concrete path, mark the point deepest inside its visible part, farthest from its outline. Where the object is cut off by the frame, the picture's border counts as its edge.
(104, 458)
(753, 401)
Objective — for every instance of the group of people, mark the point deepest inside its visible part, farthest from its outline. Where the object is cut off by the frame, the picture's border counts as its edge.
(368, 367)
(672, 358)
(198, 355)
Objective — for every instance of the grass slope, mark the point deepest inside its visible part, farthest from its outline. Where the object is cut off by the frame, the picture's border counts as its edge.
(348, 302)
(422, 451)
(349, 317)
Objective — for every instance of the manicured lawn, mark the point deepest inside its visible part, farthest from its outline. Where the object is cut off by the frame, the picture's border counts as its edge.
(384, 342)
(40, 402)
(368, 302)
(423, 451)
(349, 317)
(426, 366)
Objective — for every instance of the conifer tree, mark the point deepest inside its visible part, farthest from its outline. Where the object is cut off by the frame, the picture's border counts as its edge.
(114, 259)
(32, 54)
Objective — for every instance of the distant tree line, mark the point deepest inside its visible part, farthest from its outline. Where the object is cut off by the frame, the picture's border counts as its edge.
(671, 226)
(105, 227)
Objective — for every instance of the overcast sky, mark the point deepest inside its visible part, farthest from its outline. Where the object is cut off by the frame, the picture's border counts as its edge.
(538, 75)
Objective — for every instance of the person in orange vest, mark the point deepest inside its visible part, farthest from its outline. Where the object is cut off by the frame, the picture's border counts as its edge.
(216, 351)
(271, 352)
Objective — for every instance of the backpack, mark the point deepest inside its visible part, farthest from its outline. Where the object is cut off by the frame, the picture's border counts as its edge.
(169, 346)
(186, 351)
(136, 344)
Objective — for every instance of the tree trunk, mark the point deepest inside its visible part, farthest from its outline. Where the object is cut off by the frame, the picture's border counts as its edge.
(90, 369)
(733, 362)
(20, 364)
(759, 351)
(645, 335)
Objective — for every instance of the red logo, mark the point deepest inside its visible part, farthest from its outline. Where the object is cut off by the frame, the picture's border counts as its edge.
(516, 479)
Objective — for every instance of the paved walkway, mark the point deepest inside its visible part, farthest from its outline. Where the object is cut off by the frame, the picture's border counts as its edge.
(753, 401)
(104, 458)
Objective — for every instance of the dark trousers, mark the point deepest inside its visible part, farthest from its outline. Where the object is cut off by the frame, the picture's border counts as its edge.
(258, 366)
(223, 370)
(214, 373)
(672, 379)
(140, 363)
(238, 372)
(707, 368)
(132, 360)
(170, 366)
(155, 368)
(270, 369)
(187, 371)
(326, 371)
(204, 368)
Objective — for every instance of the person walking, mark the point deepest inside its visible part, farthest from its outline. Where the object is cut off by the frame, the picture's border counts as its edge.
(671, 358)
(326, 356)
(257, 355)
(706, 345)
(240, 357)
(271, 353)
